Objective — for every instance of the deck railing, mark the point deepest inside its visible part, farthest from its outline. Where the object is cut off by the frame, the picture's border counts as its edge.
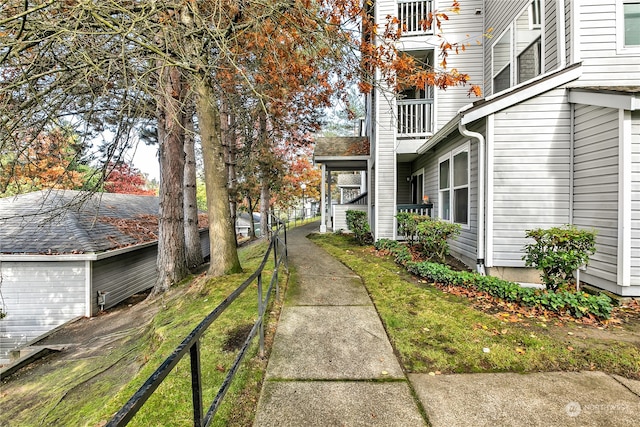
(422, 209)
(191, 344)
(413, 15)
(415, 117)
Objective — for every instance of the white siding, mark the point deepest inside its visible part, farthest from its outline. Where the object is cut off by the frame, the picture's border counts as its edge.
(602, 64)
(568, 10)
(596, 185)
(340, 215)
(39, 296)
(465, 27)
(635, 198)
(499, 14)
(530, 174)
(385, 155)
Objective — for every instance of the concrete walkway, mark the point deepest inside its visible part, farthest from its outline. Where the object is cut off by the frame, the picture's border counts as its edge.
(332, 365)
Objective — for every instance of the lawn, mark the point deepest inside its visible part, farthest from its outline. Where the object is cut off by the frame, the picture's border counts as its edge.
(436, 332)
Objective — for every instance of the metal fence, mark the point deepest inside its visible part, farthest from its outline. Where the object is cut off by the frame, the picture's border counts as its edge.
(191, 344)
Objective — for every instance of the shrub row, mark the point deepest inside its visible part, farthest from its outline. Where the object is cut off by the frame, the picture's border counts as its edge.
(578, 304)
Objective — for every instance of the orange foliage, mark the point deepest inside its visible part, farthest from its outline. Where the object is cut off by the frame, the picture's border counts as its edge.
(45, 163)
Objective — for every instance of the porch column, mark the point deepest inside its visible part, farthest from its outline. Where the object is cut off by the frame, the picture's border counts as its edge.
(323, 201)
(330, 211)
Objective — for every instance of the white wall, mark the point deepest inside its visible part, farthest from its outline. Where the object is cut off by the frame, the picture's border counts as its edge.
(596, 185)
(531, 163)
(38, 297)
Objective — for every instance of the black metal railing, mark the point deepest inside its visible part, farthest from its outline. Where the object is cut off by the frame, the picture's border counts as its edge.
(191, 344)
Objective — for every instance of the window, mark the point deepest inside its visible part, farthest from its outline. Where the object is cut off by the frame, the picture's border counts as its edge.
(453, 179)
(631, 10)
(517, 54)
(501, 53)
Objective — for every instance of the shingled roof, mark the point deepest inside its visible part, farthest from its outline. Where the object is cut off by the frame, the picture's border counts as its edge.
(341, 147)
(75, 222)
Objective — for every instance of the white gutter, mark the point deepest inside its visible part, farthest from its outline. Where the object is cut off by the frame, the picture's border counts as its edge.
(481, 159)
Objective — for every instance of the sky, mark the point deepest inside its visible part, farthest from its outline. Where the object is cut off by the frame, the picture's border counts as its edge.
(145, 158)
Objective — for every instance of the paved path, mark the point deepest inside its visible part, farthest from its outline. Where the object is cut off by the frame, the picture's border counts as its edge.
(331, 362)
(332, 365)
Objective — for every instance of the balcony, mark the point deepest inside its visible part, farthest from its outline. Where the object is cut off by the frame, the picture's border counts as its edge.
(413, 13)
(415, 117)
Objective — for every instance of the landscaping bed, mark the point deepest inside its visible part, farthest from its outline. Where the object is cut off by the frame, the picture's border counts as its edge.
(468, 330)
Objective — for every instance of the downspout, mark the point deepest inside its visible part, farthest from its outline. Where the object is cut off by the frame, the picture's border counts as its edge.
(572, 148)
(481, 188)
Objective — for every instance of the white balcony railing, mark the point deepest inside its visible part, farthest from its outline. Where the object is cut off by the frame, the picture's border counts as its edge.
(413, 14)
(415, 117)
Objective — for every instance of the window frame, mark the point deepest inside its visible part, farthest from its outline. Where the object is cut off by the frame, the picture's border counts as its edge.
(494, 73)
(620, 27)
(449, 156)
(514, 55)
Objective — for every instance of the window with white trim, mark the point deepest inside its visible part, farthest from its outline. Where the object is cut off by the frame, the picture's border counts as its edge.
(517, 54)
(453, 186)
(631, 11)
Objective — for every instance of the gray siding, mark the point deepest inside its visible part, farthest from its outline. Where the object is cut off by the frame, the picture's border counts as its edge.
(39, 296)
(635, 198)
(530, 176)
(464, 246)
(601, 63)
(204, 243)
(123, 275)
(550, 35)
(596, 184)
(403, 195)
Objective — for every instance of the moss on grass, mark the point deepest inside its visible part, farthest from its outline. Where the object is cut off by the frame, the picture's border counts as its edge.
(89, 390)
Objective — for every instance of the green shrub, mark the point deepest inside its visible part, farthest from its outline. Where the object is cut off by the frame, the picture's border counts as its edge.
(358, 224)
(433, 235)
(408, 225)
(558, 252)
(577, 304)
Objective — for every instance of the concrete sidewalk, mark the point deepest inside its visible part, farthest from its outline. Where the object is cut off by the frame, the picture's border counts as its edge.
(332, 365)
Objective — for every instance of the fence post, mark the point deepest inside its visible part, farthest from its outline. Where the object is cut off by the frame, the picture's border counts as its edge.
(196, 384)
(261, 311)
(275, 264)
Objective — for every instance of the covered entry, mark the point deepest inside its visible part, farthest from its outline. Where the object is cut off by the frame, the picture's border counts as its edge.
(341, 154)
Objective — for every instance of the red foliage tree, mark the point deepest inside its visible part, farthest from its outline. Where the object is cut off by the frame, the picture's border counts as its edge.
(126, 179)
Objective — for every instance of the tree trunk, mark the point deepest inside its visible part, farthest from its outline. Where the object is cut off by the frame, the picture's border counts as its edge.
(252, 225)
(224, 253)
(171, 262)
(265, 196)
(193, 248)
(229, 138)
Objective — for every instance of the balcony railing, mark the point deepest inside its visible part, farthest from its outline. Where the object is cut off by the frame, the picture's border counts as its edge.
(415, 117)
(413, 14)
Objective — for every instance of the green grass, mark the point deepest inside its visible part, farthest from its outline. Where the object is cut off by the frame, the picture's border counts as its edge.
(434, 331)
(89, 391)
